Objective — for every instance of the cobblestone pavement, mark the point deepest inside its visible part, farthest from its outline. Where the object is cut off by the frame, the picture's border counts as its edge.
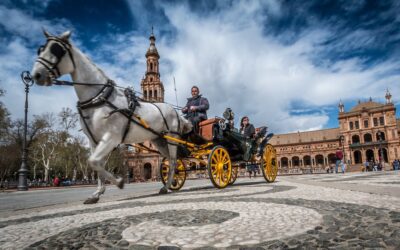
(294, 212)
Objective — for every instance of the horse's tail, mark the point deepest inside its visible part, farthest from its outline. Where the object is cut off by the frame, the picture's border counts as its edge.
(186, 126)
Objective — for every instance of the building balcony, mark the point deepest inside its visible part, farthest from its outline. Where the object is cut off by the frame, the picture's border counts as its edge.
(365, 144)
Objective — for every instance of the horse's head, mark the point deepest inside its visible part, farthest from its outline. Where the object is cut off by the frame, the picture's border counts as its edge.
(54, 59)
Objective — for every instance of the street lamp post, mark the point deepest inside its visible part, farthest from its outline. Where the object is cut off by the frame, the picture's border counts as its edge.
(380, 149)
(23, 171)
(342, 141)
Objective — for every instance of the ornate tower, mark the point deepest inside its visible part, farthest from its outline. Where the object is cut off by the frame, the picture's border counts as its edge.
(341, 106)
(388, 97)
(152, 87)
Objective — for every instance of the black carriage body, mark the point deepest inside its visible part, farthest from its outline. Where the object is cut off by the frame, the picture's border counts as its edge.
(239, 147)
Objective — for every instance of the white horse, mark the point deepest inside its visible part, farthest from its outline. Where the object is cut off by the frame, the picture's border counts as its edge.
(104, 112)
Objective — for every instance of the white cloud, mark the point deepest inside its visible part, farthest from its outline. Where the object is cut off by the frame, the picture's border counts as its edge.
(226, 54)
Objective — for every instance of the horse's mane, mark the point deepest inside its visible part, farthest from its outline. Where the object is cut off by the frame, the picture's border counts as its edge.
(84, 56)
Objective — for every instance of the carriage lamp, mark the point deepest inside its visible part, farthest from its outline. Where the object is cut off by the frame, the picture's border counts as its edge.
(23, 171)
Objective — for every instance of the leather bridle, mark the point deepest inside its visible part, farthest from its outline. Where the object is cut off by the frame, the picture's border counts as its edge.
(58, 49)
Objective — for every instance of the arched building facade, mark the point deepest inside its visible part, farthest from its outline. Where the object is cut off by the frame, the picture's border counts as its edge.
(367, 132)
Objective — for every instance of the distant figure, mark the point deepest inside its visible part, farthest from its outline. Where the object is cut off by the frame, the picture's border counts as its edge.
(56, 182)
(196, 108)
(366, 166)
(339, 157)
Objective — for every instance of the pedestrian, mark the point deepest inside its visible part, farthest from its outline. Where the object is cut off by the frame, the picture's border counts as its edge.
(339, 157)
(56, 181)
(396, 164)
(375, 168)
(366, 165)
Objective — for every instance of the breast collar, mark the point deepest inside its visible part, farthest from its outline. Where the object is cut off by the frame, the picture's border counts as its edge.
(100, 98)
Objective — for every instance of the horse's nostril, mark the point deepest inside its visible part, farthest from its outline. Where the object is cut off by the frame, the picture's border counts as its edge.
(37, 76)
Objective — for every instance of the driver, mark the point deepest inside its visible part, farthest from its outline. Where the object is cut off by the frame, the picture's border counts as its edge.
(196, 108)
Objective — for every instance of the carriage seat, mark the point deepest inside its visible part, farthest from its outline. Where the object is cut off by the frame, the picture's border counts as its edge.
(206, 128)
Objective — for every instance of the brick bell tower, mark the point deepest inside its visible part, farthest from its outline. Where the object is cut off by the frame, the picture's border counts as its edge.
(152, 87)
(145, 165)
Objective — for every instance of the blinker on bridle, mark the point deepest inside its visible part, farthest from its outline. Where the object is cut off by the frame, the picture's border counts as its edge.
(58, 49)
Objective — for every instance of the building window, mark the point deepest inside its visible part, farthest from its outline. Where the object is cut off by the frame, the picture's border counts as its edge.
(365, 123)
(367, 138)
(357, 124)
(145, 94)
(155, 93)
(151, 66)
(381, 121)
(375, 122)
(150, 94)
(351, 125)
(355, 139)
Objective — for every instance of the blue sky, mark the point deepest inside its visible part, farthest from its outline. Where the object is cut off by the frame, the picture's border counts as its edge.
(284, 63)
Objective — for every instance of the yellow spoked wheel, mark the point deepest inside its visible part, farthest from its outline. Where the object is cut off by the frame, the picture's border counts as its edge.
(269, 165)
(179, 175)
(219, 167)
(235, 170)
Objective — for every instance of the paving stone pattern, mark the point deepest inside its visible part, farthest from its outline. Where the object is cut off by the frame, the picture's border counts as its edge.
(280, 215)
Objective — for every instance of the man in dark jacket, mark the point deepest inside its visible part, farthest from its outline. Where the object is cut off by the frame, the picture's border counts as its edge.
(196, 108)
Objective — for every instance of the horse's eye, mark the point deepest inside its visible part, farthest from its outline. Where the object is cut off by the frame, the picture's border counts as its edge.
(40, 49)
(57, 50)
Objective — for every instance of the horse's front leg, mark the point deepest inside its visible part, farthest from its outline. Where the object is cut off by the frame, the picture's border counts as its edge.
(97, 161)
(172, 165)
(101, 188)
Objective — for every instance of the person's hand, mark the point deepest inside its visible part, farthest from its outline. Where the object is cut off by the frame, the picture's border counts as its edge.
(192, 108)
(185, 109)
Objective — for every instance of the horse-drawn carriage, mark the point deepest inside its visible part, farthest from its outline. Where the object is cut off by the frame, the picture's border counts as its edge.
(222, 149)
(111, 115)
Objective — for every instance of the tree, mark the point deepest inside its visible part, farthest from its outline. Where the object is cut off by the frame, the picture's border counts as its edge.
(115, 162)
(44, 144)
(5, 121)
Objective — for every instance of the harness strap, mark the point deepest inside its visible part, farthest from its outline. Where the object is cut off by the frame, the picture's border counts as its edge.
(165, 120)
(100, 98)
(86, 125)
(134, 121)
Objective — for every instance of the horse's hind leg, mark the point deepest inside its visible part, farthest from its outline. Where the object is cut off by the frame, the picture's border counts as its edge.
(97, 161)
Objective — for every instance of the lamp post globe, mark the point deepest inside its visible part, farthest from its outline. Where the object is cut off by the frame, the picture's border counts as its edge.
(23, 171)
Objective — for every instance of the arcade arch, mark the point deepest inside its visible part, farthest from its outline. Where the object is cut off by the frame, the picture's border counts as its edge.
(357, 156)
(147, 171)
(284, 162)
(295, 161)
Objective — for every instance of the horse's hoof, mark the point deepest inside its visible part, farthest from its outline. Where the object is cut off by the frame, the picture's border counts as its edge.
(120, 183)
(92, 200)
(163, 190)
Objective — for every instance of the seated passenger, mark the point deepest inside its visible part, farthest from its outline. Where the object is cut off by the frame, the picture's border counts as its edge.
(246, 128)
(196, 108)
